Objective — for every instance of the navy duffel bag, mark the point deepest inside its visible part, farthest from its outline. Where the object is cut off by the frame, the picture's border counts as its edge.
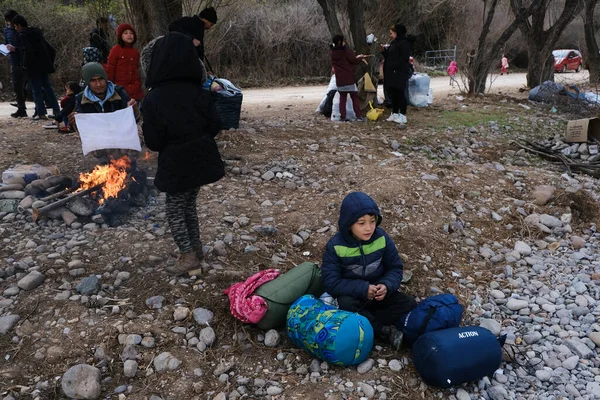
(454, 356)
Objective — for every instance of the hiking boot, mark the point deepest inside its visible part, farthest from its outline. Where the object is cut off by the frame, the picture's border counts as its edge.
(19, 114)
(393, 336)
(199, 253)
(186, 262)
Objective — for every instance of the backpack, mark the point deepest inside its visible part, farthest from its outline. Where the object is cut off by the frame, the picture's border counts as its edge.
(431, 314)
(454, 356)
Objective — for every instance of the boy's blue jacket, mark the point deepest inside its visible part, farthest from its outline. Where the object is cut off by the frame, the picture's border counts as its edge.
(350, 265)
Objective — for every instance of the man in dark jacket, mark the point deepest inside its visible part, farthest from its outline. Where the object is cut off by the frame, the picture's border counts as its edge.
(397, 70)
(362, 268)
(37, 61)
(16, 73)
(180, 122)
(99, 38)
(102, 96)
(195, 26)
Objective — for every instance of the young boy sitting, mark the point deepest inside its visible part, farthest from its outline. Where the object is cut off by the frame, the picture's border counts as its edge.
(362, 268)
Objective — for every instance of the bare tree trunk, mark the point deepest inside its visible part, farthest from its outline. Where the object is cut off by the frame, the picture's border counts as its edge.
(152, 18)
(486, 54)
(593, 57)
(330, 14)
(540, 41)
(356, 14)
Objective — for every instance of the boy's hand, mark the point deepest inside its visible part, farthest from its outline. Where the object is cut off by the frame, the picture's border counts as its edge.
(381, 292)
(372, 292)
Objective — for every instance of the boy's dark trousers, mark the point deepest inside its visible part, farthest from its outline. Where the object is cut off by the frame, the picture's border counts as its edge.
(380, 313)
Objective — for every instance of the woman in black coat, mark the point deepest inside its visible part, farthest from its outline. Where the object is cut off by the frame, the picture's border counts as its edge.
(181, 122)
(397, 71)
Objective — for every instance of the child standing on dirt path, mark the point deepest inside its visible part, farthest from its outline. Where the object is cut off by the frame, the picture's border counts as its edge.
(344, 61)
(123, 63)
(504, 69)
(363, 270)
(452, 70)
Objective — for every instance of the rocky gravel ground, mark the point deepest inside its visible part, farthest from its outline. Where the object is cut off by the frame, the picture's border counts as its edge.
(87, 312)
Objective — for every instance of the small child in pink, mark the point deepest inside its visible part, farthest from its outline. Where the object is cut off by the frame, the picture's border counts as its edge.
(452, 70)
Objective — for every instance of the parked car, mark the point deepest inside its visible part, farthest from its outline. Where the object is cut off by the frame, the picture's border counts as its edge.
(567, 60)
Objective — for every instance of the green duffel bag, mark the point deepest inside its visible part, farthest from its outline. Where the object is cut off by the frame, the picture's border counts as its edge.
(281, 292)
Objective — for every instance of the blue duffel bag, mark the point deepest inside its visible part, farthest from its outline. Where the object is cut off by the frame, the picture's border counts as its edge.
(454, 356)
(437, 312)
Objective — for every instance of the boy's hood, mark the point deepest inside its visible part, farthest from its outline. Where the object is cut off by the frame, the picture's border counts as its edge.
(354, 206)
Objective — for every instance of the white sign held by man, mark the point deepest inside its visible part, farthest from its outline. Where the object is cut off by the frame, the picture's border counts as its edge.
(115, 130)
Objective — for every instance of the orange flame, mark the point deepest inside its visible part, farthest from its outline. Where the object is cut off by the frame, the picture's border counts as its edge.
(112, 178)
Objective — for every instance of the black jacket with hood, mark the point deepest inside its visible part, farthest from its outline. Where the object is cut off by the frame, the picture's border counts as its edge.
(36, 55)
(180, 119)
(396, 68)
(193, 27)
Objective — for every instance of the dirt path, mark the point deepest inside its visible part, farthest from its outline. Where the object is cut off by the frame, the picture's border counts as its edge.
(313, 94)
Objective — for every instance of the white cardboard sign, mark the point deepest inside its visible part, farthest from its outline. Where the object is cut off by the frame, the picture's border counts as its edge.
(115, 130)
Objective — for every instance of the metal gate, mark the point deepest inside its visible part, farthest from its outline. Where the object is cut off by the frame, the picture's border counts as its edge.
(440, 58)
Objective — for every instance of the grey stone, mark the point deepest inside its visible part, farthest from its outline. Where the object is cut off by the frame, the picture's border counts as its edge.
(543, 375)
(395, 365)
(181, 313)
(207, 336)
(516, 305)
(203, 316)
(491, 324)
(267, 176)
(570, 363)
(7, 322)
(498, 392)
(130, 368)
(89, 285)
(368, 390)
(274, 390)
(155, 302)
(595, 337)
(31, 280)
(523, 248)
(533, 338)
(165, 362)
(593, 389)
(82, 206)
(272, 338)
(550, 221)
(543, 194)
(82, 381)
(461, 394)
(365, 366)
(579, 348)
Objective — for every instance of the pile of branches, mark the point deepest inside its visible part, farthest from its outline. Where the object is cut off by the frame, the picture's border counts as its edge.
(563, 153)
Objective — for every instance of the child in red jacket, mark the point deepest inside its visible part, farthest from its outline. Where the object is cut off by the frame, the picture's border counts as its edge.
(123, 63)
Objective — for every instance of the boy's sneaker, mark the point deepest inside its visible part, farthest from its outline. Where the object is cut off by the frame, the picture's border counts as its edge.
(393, 336)
(51, 125)
(391, 117)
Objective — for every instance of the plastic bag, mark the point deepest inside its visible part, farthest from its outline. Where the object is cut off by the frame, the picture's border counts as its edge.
(418, 90)
(374, 113)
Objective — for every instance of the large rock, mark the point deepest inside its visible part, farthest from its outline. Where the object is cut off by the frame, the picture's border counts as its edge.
(207, 336)
(550, 221)
(523, 248)
(272, 338)
(31, 280)
(543, 194)
(89, 285)
(595, 337)
(84, 207)
(516, 304)
(166, 362)
(203, 316)
(491, 325)
(579, 348)
(7, 323)
(82, 381)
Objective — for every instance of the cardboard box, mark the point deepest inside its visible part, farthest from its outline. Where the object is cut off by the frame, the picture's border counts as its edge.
(580, 130)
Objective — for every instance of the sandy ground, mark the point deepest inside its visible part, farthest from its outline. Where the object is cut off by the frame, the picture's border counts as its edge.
(314, 94)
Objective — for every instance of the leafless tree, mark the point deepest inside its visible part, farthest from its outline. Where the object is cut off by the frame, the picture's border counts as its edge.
(541, 40)
(593, 56)
(152, 18)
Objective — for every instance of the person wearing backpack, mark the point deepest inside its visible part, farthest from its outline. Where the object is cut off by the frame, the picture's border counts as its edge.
(37, 62)
(363, 270)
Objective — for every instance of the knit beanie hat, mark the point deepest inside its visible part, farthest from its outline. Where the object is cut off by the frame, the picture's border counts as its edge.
(122, 28)
(209, 14)
(91, 70)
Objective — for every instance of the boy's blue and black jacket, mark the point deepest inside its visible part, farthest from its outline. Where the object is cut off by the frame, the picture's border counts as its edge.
(350, 265)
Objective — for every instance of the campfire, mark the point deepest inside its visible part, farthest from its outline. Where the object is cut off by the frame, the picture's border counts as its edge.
(108, 190)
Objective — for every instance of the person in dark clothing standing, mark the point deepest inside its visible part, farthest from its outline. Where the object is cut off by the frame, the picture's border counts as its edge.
(16, 72)
(37, 62)
(397, 71)
(195, 26)
(99, 38)
(180, 123)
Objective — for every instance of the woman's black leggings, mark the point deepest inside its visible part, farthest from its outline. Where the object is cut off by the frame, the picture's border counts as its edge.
(398, 96)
